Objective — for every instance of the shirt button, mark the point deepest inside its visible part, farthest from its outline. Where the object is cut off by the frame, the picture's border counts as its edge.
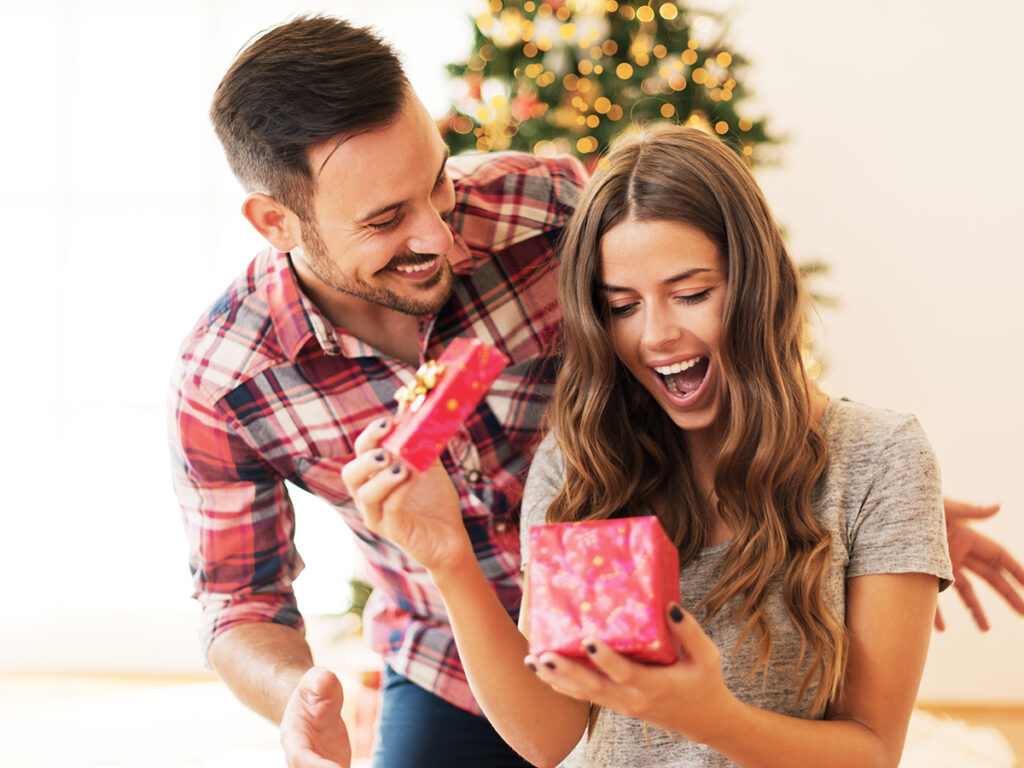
(500, 526)
(473, 476)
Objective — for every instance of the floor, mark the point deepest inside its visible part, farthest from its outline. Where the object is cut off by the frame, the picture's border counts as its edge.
(82, 721)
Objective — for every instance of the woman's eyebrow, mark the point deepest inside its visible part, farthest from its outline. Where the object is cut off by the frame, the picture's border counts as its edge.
(686, 275)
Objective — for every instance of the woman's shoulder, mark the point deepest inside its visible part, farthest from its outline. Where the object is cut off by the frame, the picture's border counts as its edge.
(853, 427)
(876, 456)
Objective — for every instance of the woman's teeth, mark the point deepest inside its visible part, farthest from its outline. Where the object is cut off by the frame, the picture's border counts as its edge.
(679, 379)
(668, 370)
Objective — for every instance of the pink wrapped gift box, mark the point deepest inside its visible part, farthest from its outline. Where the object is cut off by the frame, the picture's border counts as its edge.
(605, 579)
(443, 394)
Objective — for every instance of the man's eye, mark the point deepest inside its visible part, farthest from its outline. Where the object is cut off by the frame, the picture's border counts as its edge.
(386, 225)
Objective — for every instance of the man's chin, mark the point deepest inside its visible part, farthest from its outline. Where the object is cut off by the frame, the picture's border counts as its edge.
(424, 300)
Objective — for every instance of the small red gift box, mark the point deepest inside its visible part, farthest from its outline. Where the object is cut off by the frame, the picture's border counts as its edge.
(435, 404)
(605, 579)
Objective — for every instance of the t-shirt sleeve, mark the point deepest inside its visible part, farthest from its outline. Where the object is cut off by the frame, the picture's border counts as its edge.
(900, 526)
(542, 483)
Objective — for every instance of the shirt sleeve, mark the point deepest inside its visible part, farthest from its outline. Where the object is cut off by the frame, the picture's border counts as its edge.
(238, 520)
(545, 477)
(900, 526)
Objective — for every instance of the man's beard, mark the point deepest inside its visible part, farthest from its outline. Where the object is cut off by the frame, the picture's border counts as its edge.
(320, 263)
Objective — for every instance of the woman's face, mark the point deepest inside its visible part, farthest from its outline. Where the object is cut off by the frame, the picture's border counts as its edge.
(665, 283)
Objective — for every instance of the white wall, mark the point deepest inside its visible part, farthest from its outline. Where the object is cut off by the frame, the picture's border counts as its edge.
(903, 171)
(121, 222)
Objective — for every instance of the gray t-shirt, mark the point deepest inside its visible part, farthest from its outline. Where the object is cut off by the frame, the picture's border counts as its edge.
(881, 500)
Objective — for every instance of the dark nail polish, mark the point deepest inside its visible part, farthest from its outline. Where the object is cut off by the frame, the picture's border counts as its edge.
(549, 664)
(379, 456)
(591, 648)
(382, 423)
(532, 667)
(675, 613)
(395, 469)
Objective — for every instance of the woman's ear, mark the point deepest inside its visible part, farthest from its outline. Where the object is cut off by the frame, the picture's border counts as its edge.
(276, 222)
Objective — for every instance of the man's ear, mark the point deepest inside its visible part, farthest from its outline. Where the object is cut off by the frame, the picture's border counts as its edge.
(276, 222)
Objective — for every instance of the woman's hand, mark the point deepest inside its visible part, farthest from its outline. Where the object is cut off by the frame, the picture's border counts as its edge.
(688, 697)
(419, 512)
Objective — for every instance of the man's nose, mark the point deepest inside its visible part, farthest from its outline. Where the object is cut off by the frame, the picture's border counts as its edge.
(432, 234)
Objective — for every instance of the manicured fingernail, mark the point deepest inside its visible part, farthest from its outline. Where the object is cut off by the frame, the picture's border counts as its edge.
(532, 667)
(675, 613)
(382, 423)
(549, 664)
(379, 456)
(591, 648)
(396, 468)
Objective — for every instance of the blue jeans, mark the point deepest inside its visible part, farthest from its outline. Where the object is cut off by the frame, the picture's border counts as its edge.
(417, 729)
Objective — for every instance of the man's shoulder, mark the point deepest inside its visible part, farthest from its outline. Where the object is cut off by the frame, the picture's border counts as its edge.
(495, 170)
(233, 338)
(505, 198)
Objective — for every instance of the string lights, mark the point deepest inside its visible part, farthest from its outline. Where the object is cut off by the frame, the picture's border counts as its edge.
(566, 76)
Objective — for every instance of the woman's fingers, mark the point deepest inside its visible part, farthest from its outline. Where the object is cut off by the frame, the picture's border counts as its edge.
(356, 472)
(370, 437)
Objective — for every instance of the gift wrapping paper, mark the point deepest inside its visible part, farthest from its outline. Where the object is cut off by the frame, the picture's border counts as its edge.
(444, 392)
(605, 579)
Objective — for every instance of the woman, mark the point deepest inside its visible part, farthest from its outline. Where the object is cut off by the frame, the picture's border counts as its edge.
(810, 530)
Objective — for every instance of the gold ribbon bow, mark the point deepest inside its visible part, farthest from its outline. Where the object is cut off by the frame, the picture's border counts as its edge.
(412, 396)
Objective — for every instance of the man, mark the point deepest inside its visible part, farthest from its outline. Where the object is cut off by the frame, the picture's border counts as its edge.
(382, 251)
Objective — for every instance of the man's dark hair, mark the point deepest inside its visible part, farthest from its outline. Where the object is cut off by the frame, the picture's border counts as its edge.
(298, 84)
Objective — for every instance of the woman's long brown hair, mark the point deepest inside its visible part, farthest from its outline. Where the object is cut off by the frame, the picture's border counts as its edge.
(623, 454)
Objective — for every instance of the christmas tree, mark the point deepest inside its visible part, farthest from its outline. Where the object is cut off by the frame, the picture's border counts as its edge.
(567, 76)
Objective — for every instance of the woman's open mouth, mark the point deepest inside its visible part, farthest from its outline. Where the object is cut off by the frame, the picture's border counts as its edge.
(684, 378)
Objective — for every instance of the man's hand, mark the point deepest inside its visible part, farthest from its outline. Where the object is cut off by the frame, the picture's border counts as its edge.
(970, 551)
(313, 734)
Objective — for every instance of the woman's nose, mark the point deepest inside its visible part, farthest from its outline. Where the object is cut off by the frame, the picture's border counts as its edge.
(660, 327)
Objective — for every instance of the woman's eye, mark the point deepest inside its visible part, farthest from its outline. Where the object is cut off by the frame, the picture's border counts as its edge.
(695, 298)
(622, 310)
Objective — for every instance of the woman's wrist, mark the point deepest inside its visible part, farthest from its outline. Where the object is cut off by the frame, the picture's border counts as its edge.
(721, 719)
(454, 568)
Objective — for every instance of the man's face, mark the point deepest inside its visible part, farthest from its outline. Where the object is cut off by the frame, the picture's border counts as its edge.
(379, 230)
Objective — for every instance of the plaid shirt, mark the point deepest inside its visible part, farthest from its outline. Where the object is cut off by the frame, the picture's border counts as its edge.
(267, 390)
